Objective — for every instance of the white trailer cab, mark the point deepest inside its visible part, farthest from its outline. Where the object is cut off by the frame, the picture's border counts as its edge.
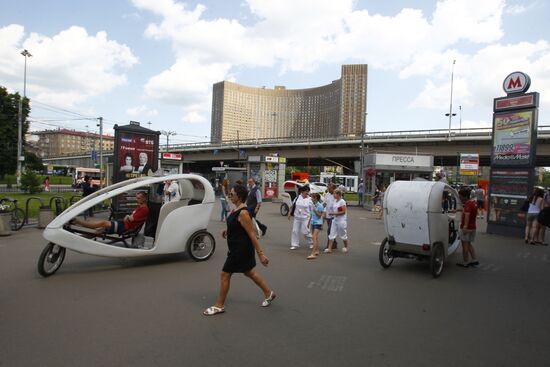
(348, 181)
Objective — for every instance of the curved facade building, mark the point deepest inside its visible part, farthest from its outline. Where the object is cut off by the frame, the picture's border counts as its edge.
(242, 113)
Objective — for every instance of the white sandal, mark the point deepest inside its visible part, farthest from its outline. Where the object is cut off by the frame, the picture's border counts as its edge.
(269, 299)
(213, 310)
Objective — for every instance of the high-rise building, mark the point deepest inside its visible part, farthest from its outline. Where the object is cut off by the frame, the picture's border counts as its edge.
(55, 143)
(338, 109)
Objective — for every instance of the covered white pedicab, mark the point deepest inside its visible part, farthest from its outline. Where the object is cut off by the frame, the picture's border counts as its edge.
(173, 227)
(419, 224)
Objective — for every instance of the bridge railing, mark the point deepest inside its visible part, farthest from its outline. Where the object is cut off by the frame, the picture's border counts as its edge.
(369, 136)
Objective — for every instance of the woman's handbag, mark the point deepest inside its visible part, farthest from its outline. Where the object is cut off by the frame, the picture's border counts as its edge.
(525, 206)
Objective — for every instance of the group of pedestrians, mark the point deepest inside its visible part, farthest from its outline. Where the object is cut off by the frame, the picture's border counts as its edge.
(308, 213)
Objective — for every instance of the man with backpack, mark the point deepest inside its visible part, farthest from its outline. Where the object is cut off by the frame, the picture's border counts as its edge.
(253, 203)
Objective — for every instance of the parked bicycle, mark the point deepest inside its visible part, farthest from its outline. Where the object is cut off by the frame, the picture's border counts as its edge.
(9, 205)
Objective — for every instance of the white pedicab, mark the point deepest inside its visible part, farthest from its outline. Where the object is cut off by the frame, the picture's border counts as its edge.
(418, 224)
(291, 191)
(170, 228)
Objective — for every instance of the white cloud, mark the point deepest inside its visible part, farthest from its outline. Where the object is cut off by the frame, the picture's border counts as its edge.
(479, 77)
(315, 32)
(143, 110)
(65, 69)
(515, 9)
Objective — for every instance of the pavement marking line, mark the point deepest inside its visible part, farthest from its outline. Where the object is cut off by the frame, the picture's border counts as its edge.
(331, 283)
(376, 243)
(363, 218)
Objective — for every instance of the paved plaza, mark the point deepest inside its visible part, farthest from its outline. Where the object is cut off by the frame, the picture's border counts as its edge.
(337, 310)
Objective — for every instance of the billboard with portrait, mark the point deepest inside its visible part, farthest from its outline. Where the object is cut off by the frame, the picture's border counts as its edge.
(135, 155)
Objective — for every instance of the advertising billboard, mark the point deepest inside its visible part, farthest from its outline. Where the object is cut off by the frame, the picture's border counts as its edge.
(508, 190)
(136, 154)
(469, 164)
(513, 142)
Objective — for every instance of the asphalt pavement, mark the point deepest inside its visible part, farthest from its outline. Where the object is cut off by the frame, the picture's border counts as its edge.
(337, 310)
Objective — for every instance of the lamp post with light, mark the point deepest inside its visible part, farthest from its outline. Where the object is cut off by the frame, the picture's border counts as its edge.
(451, 114)
(20, 159)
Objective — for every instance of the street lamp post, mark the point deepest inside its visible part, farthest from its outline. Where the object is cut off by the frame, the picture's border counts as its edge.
(167, 133)
(274, 114)
(26, 54)
(361, 160)
(451, 114)
(460, 118)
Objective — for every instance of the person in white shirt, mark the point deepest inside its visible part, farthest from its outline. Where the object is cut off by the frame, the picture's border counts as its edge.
(339, 223)
(328, 203)
(302, 215)
(171, 191)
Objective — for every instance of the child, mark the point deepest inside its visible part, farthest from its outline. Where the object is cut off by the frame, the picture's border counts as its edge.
(316, 224)
(468, 228)
(340, 222)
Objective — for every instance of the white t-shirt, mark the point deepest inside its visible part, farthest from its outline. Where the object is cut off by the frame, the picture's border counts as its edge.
(329, 200)
(340, 218)
(174, 191)
(302, 209)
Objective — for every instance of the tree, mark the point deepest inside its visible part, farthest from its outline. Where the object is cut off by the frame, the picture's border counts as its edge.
(33, 162)
(9, 120)
(30, 182)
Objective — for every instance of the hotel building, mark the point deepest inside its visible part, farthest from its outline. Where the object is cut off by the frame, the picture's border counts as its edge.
(246, 113)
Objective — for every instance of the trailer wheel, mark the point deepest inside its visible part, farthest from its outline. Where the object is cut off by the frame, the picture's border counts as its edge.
(384, 255)
(201, 246)
(50, 259)
(437, 258)
(284, 209)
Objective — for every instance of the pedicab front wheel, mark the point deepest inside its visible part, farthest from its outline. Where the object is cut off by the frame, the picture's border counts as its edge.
(437, 258)
(284, 209)
(50, 259)
(201, 245)
(384, 254)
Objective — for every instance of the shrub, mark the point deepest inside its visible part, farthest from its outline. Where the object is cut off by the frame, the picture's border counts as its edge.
(30, 182)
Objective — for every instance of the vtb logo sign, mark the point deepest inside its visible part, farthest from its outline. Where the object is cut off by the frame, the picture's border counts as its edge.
(517, 82)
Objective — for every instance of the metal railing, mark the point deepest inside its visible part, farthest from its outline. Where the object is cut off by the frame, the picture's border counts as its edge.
(370, 136)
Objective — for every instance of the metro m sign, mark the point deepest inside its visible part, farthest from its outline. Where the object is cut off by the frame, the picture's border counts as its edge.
(517, 82)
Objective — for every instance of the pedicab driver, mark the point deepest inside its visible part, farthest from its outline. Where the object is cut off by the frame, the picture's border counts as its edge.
(130, 222)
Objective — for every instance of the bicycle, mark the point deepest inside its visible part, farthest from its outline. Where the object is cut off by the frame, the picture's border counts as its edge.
(17, 214)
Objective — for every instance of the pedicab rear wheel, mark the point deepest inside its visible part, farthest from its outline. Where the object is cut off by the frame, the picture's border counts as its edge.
(50, 259)
(437, 258)
(384, 255)
(284, 209)
(201, 245)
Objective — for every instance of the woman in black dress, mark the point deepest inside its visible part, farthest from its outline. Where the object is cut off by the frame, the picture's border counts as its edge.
(242, 243)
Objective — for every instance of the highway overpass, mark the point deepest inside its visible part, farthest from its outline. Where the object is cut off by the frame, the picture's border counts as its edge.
(442, 144)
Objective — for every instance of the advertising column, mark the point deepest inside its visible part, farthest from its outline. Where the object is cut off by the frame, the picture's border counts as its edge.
(135, 155)
(513, 154)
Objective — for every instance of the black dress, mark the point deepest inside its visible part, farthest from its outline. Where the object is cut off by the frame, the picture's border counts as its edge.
(240, 257)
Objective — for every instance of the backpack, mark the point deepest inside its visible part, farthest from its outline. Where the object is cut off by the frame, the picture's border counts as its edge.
(293, 207)
(544, 217)
(525, 207)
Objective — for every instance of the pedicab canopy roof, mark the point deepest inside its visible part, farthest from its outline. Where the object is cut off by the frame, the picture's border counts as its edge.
(410, 206)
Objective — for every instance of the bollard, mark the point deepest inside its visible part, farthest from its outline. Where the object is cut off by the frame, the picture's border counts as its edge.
(58, 207)
(45, 216)
(5, 224)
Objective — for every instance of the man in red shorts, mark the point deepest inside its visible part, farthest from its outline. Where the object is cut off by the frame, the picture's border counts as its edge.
(468, 228)
(131, 221)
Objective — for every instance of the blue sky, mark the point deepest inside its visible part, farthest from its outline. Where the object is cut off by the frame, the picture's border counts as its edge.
(156, 60)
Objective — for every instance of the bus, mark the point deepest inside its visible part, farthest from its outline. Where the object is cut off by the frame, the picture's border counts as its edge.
(80, 172)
